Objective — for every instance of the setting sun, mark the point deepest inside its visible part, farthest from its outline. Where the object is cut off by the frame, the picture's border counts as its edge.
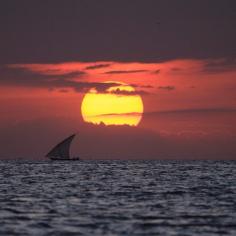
(118, 105)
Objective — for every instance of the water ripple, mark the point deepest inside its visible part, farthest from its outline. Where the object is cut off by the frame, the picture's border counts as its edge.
(118, 198)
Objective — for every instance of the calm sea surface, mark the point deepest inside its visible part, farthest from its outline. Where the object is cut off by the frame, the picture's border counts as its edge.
(118, 198)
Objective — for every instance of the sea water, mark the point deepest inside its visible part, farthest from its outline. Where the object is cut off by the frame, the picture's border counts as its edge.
(118, 198)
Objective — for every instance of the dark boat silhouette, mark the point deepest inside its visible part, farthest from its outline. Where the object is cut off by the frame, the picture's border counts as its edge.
(61, 152)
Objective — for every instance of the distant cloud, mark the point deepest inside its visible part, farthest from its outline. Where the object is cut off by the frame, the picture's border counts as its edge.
(63, 91)
(63, 69)
(220, 65)
(27, 78)
(125, 71)
(176, 69)
(199, 110)
(157, 71)
(118, 114)
(81, 75)
(168, 88)
(111, 141)
(98, 66)
(145, 86)
(69, 75)
(123, 92)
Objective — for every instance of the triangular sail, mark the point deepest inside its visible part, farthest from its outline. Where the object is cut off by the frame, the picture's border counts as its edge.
(62, 149)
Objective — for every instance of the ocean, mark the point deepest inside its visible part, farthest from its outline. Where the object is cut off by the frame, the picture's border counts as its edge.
(118, 198)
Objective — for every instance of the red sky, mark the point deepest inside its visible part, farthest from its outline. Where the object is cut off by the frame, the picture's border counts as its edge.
(188, 101)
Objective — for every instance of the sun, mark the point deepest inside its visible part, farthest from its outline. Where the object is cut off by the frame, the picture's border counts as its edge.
(118, 105)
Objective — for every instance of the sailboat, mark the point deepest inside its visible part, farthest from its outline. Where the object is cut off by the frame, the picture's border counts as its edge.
(62, 150)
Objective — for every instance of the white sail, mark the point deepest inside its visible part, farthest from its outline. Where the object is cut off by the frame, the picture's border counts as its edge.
(62, 149)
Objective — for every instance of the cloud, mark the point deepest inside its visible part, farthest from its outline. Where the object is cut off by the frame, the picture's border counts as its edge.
(173, 112)
(69, 75)
(63, 69)
(219, 66)
(189, 111)
(125, 71)
(76, 75)
(157, 71)
(119, 114)
(98, 66)
(31, 79)
(127, 93)
(107, 141)
(144, 86)
(63, 91)
(80, 86)
(168, 88)
(176, 69)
